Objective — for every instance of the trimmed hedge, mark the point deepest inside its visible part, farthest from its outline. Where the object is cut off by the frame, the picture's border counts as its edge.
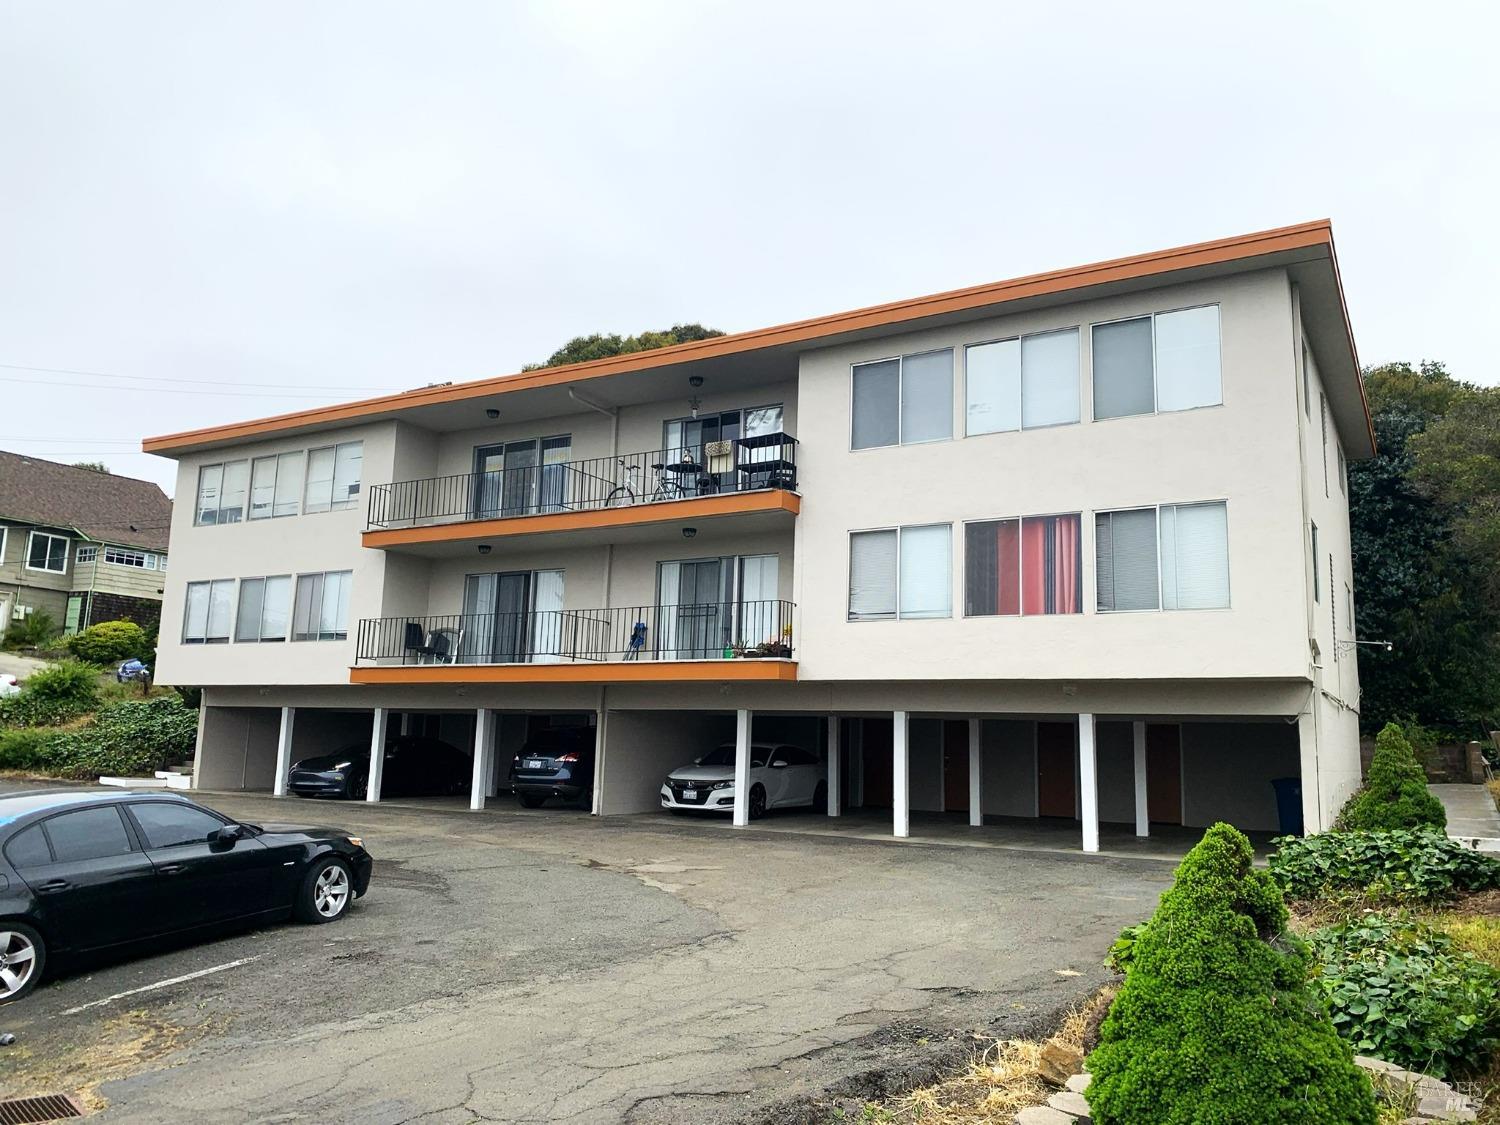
(1217, 1022)
(1395, 795)
(1406, 865)
(109, 642)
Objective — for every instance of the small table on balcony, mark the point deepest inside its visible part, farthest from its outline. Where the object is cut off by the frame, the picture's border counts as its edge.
(773, 460)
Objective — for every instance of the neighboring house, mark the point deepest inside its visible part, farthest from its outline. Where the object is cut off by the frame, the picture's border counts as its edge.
(79, 545)
(1070, 546)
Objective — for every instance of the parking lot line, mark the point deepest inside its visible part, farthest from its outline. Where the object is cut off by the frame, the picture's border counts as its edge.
(161, 984)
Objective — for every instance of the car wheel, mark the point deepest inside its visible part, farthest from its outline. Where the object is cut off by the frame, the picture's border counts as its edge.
(757, 802)
(326, 892)
(531, 800)
(23, 955)
(356, 788)
(820, 796)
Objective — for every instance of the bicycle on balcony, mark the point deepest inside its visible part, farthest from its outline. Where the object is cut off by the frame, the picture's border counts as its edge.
(675, 481)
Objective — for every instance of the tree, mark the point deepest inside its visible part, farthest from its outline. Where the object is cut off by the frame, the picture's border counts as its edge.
(1395, 795)
(92, 466)
(582, 349)
(1415, 587)
(1217, 1023)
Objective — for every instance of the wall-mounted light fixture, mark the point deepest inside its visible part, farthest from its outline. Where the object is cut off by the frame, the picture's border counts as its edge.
(484, 548)
(492, 413)
(689, 532)
(695, 381)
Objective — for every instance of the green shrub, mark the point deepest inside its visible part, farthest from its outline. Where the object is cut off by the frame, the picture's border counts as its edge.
(32, 631)
(26, 710)
(1399, 991)
(29, 749)
(109, 642)
(1409, 865)
(1395, 795)
(1217, 1022)
(66, 682)
(129, 738)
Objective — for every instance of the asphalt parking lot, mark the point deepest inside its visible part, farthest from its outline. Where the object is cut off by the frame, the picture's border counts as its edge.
(550, 966)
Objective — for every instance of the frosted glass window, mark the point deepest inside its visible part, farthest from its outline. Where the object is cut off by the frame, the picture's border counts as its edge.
(220, 606)
(926, 582)
(927, 397)
(1194, 556)
(288, 484)
(877, 404)
(992, 381)
(262, 488)
(247, 617)
(1049, 378)
(1187, 359)
(1125, 574)
(872, 575)
(1122, 369)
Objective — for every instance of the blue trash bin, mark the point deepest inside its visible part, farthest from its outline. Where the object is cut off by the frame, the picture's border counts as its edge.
(1289, 804)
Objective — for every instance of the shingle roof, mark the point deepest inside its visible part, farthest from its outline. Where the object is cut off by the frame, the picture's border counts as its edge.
(104, 507)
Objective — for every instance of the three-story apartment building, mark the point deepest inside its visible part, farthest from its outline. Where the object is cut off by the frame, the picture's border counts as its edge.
(1069, 546)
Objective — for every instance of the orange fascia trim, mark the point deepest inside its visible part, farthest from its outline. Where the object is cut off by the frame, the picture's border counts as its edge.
(617, 672)
(1301, 236)
(637, 515)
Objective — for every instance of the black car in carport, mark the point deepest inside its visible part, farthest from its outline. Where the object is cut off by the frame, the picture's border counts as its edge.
(558, 762)
(414, 767)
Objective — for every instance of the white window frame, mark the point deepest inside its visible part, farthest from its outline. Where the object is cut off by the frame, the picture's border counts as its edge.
(79, 555)
(898, 529)
(900, 362)
(126, 556)
(208, 612)
(1155, 392)
(222, 466)
(1021, 383)
(351, 501)
(1161, 600)
(4, 542)
(316, 637)
(31, 538)
(277, 460)
(1020, 521)
(260, 625)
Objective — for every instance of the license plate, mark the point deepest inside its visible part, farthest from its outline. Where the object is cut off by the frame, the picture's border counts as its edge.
(533, 763)
(690, 794)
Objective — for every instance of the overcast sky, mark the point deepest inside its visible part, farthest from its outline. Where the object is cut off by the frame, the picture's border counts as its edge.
(246, 208)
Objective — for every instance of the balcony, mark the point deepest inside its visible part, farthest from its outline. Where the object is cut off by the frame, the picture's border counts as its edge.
(743, 477)
(749, 640)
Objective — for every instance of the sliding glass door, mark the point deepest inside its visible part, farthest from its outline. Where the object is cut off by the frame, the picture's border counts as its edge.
(708, 605)
(520, 478)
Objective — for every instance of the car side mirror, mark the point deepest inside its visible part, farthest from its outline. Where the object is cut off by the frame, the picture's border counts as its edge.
(228, 834)
(779, 764)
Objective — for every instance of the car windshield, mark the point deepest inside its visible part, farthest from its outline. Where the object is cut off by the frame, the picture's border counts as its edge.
(724, 756)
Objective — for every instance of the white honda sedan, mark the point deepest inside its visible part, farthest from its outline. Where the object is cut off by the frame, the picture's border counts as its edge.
(781, 776)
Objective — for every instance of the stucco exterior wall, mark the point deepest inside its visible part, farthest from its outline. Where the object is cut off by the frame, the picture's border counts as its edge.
(1243, 452)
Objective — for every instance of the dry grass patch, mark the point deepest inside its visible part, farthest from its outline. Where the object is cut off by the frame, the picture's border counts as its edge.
(1002, 1078)
(126, 1043)
(1493, 785)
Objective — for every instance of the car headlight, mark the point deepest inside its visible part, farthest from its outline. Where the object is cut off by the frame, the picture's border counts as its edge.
(722, 785)
(343, 765)
(356, 841)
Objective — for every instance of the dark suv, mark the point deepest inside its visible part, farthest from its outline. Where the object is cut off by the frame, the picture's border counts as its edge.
(558, 762)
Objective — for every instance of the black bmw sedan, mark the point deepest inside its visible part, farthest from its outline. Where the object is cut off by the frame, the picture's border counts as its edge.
(83, 871)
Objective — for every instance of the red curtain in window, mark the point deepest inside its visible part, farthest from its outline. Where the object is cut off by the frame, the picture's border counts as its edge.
(1008, 544)
(1050, 565)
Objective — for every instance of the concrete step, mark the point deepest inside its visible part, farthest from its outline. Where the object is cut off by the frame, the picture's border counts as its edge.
(180, 781)
(177, 771)
(134, 782)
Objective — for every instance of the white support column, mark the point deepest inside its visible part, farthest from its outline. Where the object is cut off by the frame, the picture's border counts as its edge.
(741, 768)
(484, 748)
(900, 776)
(284, 752)
(377, 754)
(1308, 732)
(1088, 783)
(976, 777)
(835, 767)
(1142, 810)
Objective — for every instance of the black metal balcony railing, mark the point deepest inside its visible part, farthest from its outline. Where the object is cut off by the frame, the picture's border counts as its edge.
(716, 467)
(714, 630)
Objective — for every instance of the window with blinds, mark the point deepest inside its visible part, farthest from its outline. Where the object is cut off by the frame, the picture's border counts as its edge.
(264, 609)
(903, 401)
(1175, 556)
(1021, 383)
(1155, 364)
(901, 572)
(321, 611)
(209, 606)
